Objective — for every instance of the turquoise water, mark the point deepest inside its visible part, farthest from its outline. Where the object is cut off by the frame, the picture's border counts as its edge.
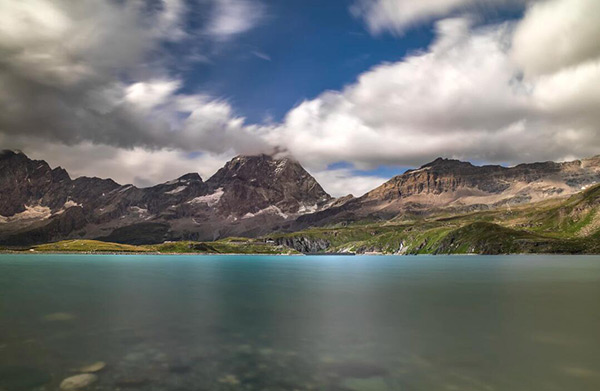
(301, 323)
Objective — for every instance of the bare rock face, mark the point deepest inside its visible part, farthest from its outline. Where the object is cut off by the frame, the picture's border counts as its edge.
(252, 184)
(78, 382)
(24, 181)
(250, 195)
(452, 185)
(453, 180)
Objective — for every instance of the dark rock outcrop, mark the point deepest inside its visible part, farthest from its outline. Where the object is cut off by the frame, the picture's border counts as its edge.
(250, 195)
(304, 244)
(254, 196)
(251, 184)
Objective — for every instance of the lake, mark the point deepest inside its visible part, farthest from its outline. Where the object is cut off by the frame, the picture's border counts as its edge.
(363, 323)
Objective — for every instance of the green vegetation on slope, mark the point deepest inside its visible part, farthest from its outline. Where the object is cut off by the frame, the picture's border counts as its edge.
(227, 246)
(88, 246)
(556, 226)
(569, 226)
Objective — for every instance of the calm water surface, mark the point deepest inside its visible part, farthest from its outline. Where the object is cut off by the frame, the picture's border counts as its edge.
(301, 323)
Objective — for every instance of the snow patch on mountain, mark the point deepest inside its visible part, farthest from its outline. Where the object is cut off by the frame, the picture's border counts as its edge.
(280, 166)
(71, 203)
(209, 199)
(274, 210)
(304, 209)
(31, 212)
(179, 189)
(125, 188)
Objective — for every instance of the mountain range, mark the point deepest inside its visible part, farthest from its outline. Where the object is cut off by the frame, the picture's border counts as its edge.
(259, 196)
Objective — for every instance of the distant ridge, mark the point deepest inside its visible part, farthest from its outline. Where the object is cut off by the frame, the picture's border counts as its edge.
(256, 195)
(250, 195)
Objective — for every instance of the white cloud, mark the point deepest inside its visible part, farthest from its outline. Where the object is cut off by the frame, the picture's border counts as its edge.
(232, 17)
(397, 16)
(486, 93)
(343, 181)
(148, 95)
(169, 24)
(138, 166)
(63, 67)
(144, 168)
(464, 97)
(558, 33)
(261, 55)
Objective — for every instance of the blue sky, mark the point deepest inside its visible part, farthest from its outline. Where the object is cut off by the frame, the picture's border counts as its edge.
(308, 45)
(299, 49)
(357, 91)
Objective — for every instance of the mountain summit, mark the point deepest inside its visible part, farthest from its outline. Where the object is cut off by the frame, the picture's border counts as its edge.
(253, 196)
(447, 185)
(261, 184)
(250, 195)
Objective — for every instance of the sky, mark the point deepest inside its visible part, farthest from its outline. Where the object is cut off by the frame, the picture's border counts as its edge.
(357, 91)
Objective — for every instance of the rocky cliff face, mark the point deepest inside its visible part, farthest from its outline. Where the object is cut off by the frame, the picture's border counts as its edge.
(455, 186)
(255, 195)
(26, 182)
(461, 183)
(447, 177)
(251, 195)
(303, 244)
(254, 185)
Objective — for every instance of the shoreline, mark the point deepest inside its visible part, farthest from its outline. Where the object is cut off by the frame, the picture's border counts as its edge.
(27, 252)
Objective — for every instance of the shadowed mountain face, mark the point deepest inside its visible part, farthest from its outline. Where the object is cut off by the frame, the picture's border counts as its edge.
(249, 196)
(252, 185)
(252, 196)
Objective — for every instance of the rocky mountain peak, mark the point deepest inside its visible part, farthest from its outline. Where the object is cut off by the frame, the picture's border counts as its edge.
(25, 183)
(449, 183)
(442, 164)
(254, 195)
(252, 184)
(253, 168)
(192, 176)
(9, 153)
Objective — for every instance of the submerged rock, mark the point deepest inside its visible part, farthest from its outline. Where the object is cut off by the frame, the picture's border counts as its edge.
(179, 368)
(355, 369)
(371, 384)
(59, 317)
(229, 379)
(131, 382)
(266, 352)
(78, 382)
(95, 367)
(22, 378)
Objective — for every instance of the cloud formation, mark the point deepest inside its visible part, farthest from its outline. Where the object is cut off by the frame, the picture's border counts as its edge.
(138, 166)
(91, 77)
(558, 33)
(88, 72)
(232, 17)
(464, 97)
(396, 16)
(343, 181)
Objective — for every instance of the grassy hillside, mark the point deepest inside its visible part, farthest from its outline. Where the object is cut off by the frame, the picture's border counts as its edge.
(88, 246)
(227, 246)
(569, 225)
